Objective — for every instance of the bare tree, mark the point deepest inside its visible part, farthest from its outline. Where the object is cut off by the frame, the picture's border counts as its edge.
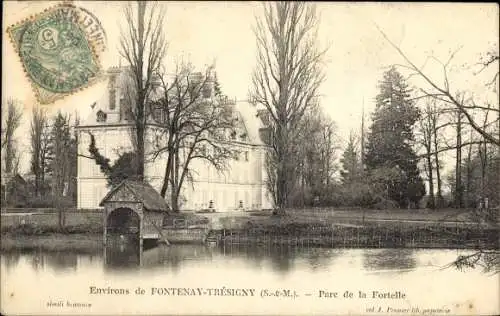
(435, 116)
(143, 45)
(464, 101)
(195, 122)
(285, 81)
(426, 126)
(472, 109)
(458, 162)
(313, 152)
(11, 120)
(39, 147)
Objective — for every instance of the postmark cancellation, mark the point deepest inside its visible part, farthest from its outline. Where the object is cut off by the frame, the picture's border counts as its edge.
(59, 50)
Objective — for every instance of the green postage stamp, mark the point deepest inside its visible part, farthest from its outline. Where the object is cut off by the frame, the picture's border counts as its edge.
(59, 50)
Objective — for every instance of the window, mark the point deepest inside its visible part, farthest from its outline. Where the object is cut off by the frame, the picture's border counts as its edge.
(158, 115)
(101, 116)
(112, 99)
(206, 91)
(236, 156)
(246, 155)
(233, 135)
(125, 109)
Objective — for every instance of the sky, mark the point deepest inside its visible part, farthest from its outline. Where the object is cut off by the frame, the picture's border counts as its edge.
(204, 32)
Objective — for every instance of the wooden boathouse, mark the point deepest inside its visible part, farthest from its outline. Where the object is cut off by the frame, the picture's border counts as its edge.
(134, 210)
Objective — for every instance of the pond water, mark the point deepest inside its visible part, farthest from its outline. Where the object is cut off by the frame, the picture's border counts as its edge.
(194, 279)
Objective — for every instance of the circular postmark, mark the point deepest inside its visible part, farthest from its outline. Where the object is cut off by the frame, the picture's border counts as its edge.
(56, 54)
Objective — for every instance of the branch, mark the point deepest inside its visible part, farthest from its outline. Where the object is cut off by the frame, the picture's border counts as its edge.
(444, 91)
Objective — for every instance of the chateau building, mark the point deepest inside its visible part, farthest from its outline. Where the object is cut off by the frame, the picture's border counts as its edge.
(242, 186)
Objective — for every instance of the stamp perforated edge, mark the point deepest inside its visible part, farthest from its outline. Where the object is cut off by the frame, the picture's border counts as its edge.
(34, 87)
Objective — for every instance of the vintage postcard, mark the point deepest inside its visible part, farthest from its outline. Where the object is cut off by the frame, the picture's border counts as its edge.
(59, 50)
(250, 158)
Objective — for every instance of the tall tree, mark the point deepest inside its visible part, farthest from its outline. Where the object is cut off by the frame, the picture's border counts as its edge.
(473, 107)
(61, 155)
(195, 119)
(431, 125)
(143, 45)
(313, 155)
(62, 161)
(285, 81)
(351, 163)
(435, 117)
(39, 139)
(458, 162)
(426, 134)
(391, 138)
(11, 120)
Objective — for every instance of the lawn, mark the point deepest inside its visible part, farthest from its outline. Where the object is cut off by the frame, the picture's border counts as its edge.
(350, 217)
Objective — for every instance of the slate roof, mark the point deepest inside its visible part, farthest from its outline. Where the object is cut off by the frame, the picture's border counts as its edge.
(143, 192)
(251, 121)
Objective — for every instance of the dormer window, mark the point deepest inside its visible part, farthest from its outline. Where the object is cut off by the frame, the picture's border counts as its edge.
(101, 116)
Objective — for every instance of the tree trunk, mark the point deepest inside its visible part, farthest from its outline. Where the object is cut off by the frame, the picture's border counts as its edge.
(468, 185)
(281, 172)
(458, 163)
(437, 163)
(140, 151)
(438, 179)
(168, 171)
(175, 190)
(432, 203)
(141, 97)
(482, 149)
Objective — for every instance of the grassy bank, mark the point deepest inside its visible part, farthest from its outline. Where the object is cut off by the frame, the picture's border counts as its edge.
(359, 228)
(87, 242)
(34, 229)
(448, 228)
(81, 237)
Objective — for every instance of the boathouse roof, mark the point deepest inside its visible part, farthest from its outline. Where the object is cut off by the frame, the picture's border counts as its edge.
(137, 191)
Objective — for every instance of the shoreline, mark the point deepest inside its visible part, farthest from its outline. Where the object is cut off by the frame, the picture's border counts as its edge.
(325, 237)
(80, 242)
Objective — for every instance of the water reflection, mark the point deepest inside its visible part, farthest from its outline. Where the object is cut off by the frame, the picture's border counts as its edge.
(122, 256)
(281, 259)
(12, 260)
(254, 267)
(130, 257)
(402, 260)
(319, 258)
(40, 260)
(62, 260)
